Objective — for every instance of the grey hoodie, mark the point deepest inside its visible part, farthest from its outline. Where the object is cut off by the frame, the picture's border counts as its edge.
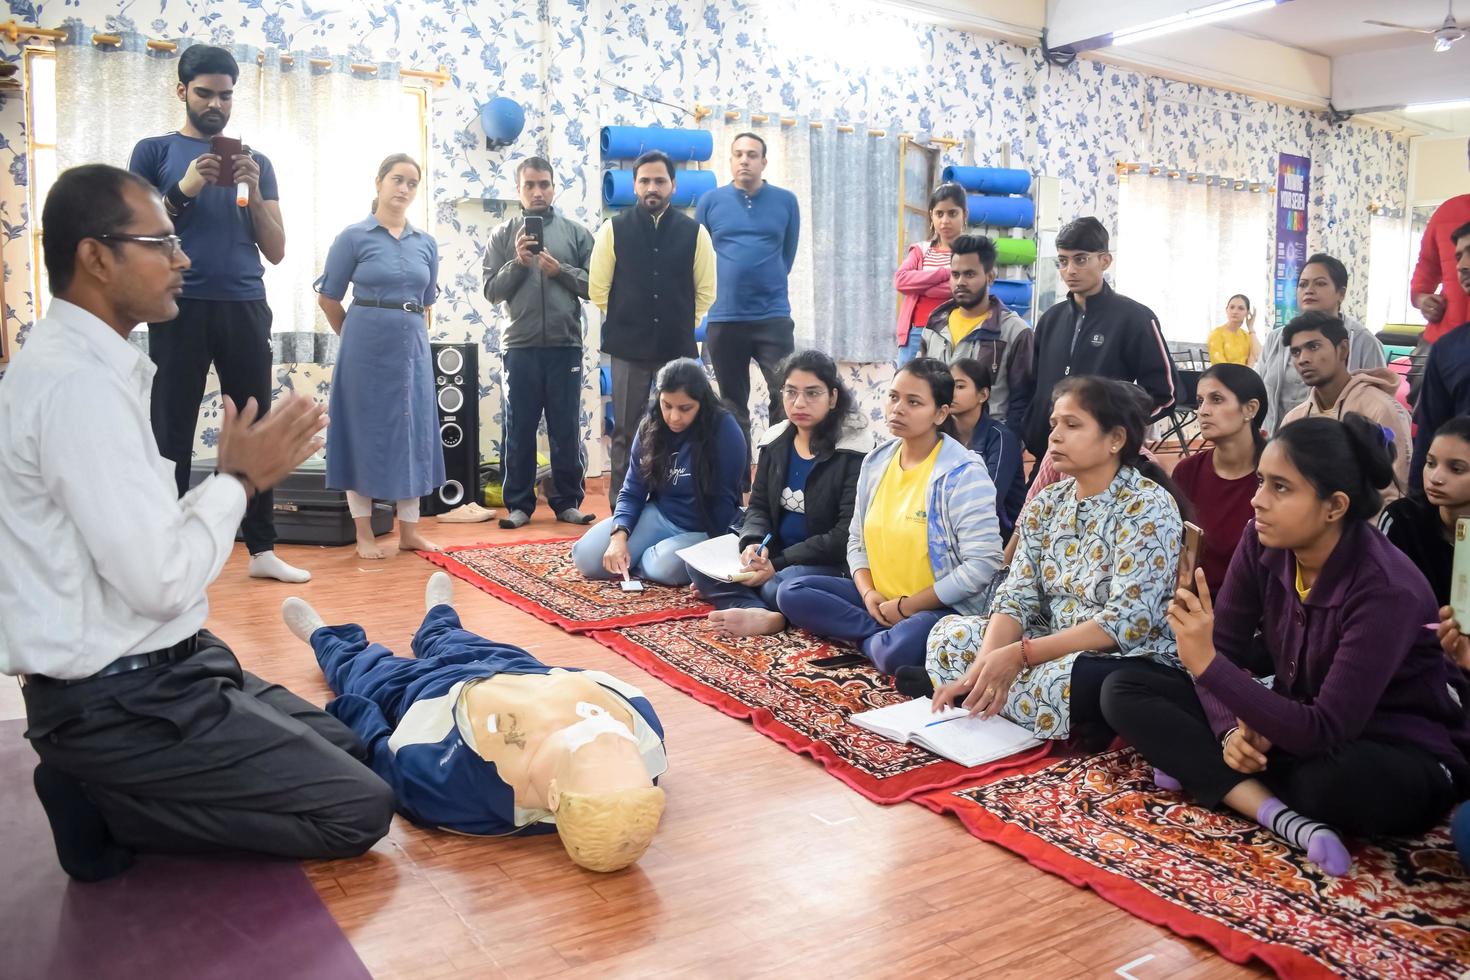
(544, 312)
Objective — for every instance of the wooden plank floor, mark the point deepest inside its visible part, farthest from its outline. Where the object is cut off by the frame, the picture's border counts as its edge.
(764, 865)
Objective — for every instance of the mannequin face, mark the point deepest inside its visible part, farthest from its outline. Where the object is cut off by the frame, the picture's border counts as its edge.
(607, 764)
(1289, 513)
(807, 399)
(1078, 443)
(1447, 472)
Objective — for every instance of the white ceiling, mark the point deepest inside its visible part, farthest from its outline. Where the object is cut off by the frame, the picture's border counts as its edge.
(1335, 27)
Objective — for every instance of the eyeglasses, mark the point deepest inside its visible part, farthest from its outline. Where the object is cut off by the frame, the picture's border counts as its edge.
(170, 244)
(1078, 261)
(803, 394)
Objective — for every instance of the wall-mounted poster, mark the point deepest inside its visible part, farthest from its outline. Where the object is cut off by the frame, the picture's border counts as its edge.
(1293, 177)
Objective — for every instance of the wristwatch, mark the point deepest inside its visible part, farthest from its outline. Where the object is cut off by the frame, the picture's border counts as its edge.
(619, 527)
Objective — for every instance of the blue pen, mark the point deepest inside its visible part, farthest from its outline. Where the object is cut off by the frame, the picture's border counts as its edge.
(943, 720)
(760, 549)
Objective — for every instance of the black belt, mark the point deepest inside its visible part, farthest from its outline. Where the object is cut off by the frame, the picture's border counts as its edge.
(122, 665)
(380, 305)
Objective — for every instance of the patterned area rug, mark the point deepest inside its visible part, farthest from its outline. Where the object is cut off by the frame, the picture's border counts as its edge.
(770, 681)
(539, 577)
(1098, 821)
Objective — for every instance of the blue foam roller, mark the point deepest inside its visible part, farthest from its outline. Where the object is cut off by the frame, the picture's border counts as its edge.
(988, 180)
(1015, 293)
(631, 142)
(689, 187)
(1002, 212)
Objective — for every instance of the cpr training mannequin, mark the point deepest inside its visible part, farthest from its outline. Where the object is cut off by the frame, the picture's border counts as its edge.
(480, 737)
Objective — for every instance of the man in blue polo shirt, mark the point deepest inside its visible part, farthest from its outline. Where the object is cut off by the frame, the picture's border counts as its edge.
(223, 316)
(754, 228)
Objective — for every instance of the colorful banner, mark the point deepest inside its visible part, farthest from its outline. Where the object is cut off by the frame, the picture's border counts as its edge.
(1293, 178)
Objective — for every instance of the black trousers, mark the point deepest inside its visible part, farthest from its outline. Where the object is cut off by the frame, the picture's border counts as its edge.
(732, 345)
(1363, 787)
(632, 384)
(236, 338)
(542, 381)
(200, 756)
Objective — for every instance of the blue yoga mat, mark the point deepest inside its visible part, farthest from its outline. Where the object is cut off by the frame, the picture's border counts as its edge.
(630, 142)
(689, 187)
(988, 180)
(1015, 293)
(1002, 212)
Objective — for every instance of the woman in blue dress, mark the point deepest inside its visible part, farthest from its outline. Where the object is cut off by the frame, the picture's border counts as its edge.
(383, 438)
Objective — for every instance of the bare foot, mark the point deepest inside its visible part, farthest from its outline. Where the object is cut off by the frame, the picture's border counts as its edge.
(409, 539)
(717, 618)
(370, 549)
(753, 622)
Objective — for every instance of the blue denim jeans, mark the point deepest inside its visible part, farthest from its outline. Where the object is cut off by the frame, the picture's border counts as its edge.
(733, 595)
(652, 544)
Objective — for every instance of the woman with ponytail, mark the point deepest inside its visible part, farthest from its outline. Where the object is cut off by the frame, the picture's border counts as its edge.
(924, 539)
(1221, 480)
(1095, 565)
(1363, 729)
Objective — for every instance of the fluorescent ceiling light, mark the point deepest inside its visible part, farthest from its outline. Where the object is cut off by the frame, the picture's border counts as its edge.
(1198, 17)
(1436, 106)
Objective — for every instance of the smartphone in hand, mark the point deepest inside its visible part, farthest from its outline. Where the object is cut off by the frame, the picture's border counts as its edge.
(535, 227)
(226, 149)
(1189, 555)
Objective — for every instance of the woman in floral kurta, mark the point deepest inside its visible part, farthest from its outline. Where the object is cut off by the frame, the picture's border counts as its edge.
(1091, 579)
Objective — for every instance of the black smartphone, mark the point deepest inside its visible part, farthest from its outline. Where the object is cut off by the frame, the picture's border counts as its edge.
(839, 661)
(535, 227)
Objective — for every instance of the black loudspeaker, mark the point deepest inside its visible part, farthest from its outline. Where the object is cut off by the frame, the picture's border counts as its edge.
(457, 395)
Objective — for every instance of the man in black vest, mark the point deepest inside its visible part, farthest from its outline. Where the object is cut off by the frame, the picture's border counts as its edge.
(653, 277)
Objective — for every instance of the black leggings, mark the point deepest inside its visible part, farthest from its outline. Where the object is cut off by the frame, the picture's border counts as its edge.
(1362, 787)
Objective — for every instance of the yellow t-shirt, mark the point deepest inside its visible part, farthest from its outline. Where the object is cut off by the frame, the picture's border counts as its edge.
(1302, 589)
(961, 326)
(896, 529)
(1230, 346)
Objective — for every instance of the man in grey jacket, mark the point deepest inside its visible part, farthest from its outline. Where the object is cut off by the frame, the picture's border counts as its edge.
(976, 325)
(542, 288)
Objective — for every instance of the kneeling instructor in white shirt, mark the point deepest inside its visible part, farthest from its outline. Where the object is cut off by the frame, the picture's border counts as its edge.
(151, 737)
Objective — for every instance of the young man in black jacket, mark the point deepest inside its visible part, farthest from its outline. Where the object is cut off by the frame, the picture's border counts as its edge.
(1094, 331)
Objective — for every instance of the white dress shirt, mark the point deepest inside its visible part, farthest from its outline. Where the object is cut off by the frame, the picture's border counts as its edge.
(99, 558)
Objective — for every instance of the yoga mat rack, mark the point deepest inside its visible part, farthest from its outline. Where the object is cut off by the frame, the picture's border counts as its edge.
(689, 186)
(682, 145)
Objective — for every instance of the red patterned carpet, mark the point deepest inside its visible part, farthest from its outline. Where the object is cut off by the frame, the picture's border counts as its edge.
(769, 680)
(539, 577)
(1098, 821)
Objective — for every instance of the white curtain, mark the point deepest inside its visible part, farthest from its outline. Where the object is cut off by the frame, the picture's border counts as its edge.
(323, 129)
(1183, 248)
(1390, 266)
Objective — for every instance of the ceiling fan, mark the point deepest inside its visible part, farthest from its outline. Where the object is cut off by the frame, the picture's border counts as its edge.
(1445, 35)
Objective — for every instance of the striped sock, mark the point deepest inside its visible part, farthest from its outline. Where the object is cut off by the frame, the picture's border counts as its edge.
(1324, 848)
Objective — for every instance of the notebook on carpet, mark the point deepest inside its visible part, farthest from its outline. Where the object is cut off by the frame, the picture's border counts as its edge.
(951, 733)
(719, 558)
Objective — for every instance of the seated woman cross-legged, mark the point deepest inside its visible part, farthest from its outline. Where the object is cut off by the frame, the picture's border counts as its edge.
(1363, 728)
(1095, 565)
(924, 539)
(683, 483)
(801, 502)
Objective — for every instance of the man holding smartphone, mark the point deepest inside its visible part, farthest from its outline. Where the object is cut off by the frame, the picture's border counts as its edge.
(537, 266)
(223, 315)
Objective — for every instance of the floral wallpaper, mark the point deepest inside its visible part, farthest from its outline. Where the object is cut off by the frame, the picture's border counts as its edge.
(577, 65)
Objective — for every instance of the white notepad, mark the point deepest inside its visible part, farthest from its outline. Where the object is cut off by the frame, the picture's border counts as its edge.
(719, 558)
(967, 741)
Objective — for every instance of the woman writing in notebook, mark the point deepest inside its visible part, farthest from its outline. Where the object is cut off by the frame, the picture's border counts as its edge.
(1096, 563)
(1363, 729)
(683, 483)
(1220, 481)
(924, 540)
(801, 502)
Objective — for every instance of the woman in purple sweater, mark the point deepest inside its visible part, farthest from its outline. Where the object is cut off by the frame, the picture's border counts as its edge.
(1362, 730)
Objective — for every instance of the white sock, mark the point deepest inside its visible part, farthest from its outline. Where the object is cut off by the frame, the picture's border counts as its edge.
(268, 565)
(301, 619)
(439, 591)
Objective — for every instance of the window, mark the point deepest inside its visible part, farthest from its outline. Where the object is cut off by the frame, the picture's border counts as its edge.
(1184, 247)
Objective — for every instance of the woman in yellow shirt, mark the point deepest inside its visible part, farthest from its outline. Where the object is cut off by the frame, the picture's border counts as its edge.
(924, 541)
(1234, 341)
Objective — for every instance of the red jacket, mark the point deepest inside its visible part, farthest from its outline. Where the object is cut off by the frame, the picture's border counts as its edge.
(1437, 265)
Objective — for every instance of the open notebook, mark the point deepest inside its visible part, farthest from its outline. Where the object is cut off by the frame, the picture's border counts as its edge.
(719, 558)
(967, 741)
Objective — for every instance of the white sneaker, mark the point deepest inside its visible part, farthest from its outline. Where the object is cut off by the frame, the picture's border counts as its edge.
(439, 591)
(300, 618)
(268, 565)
